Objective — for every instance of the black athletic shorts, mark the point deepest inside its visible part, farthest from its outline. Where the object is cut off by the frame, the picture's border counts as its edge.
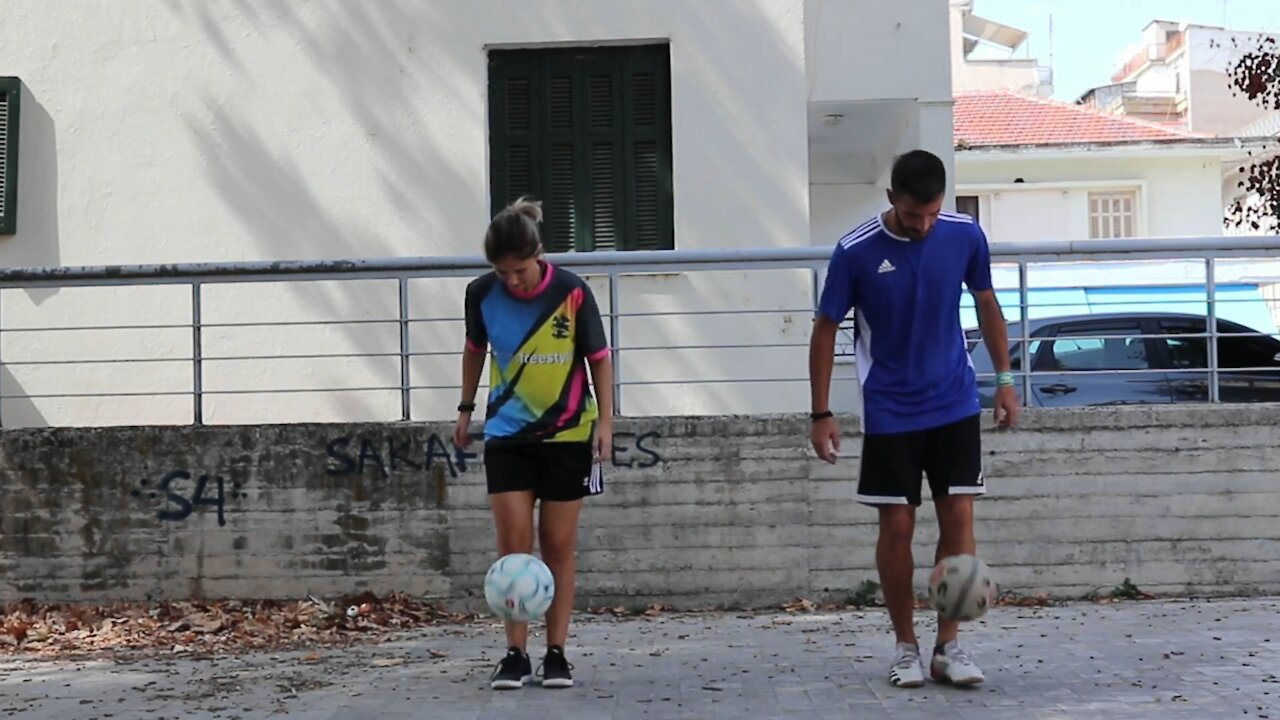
(950, 456)
(555, 471)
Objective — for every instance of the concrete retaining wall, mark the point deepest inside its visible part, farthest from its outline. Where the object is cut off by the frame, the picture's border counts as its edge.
(697, 512)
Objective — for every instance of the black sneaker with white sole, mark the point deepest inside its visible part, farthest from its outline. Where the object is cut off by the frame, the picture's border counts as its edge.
(513, 671)
(556, 672)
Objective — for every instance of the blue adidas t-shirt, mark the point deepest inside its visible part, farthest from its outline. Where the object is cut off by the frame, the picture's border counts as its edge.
(911, 353)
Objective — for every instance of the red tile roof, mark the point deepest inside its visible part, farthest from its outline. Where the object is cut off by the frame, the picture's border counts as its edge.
(1002, 118)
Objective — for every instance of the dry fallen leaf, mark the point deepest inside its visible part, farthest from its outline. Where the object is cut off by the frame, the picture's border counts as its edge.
(387, 662)
(800, 605)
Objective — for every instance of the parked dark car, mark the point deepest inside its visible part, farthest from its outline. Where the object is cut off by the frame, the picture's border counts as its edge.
(1106, 360)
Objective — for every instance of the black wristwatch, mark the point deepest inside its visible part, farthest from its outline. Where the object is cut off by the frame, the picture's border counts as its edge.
(821, 415)
(466, 407)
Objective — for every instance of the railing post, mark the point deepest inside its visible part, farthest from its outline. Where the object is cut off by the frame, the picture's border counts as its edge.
(1211, 286)
(1024, 343)
(614, 326)
(406, 411)
(197, 355)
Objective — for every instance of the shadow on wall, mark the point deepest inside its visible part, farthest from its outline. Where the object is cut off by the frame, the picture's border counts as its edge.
(746, 165)
(17, 410)
(374, 57)
(36, 243)
(369, 53)
(378, 55)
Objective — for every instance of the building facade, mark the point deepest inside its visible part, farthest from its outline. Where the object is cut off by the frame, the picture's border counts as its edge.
(187, 131)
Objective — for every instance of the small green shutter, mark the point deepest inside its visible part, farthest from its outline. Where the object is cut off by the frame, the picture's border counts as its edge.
(587, 130)
(648, 147)
(10, 99)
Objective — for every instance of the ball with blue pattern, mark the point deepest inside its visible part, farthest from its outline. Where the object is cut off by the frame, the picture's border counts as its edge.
(519, 587)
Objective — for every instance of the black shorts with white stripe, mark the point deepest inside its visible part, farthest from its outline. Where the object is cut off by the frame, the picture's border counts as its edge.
(554, 471)
(893, 464)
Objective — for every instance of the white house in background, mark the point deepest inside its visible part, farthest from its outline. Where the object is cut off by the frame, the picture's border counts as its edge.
(1034, 169)
(1178, 74)
(159, 132)
(982, 56)
(1037, 169)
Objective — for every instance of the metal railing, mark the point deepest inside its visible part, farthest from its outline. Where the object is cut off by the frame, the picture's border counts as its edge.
(614, 268)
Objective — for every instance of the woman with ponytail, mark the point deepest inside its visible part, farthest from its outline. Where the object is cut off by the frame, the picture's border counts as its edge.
(545, 432)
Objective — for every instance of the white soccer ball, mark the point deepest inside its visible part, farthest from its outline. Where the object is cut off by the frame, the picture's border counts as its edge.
(519, 587)
(961, 588)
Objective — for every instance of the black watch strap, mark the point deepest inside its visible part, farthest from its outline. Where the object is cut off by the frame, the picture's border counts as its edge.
(821, 415)
(466, 407)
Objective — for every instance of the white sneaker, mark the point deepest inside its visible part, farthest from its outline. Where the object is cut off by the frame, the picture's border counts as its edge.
(954, 666)
(906, 670)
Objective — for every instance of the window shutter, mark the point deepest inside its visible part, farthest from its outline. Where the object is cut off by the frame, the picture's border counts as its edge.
(588, 131)
(604, 174)
(10, 99)
(561, 149)
(512, 137)
(647, 139)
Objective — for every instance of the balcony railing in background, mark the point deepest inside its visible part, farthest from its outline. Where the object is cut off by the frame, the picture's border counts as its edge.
(1150, 53)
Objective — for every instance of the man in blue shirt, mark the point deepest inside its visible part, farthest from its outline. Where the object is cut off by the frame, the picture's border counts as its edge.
(901, 273)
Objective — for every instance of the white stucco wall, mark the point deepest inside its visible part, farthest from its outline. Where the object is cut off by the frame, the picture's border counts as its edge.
(1160, 78)
(886, 66)
(189, 131)
(185, 131)
(878, 49)
(1177, 196)
(221, 131)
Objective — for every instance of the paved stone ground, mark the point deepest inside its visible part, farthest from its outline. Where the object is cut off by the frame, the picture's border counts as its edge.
(1201, 659)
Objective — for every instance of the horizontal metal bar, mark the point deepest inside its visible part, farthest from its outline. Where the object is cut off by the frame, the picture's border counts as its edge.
(190, 393)
(33, 396)
(781, 258)
(1147, 371)
(297, 323)
(697, 313)
(1140, 336)
(640, 348)
(744, 346)
(96, 361)
(689, 313)
(715, 381)
(74, 328)
(700, 381)
(300, 356)
(1172, 371)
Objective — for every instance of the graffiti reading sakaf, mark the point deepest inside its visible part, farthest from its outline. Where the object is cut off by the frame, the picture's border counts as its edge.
(346, 459)
(387, 455)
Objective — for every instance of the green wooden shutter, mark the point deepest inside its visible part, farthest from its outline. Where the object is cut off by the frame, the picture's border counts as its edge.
(647, 139)
(10, 100)
(561, 169)
(513, 131)
(588, 131)
(603, 186)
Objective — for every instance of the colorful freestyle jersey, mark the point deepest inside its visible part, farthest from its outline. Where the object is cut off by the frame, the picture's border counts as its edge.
(539, 342)
(912, 358)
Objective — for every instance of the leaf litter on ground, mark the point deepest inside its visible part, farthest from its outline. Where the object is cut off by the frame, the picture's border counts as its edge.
(30, 628)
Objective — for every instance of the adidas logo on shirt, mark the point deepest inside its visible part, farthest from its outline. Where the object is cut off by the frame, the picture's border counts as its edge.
(886, 266)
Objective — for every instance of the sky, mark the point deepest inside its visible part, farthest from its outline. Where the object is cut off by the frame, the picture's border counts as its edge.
(1090, 37)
